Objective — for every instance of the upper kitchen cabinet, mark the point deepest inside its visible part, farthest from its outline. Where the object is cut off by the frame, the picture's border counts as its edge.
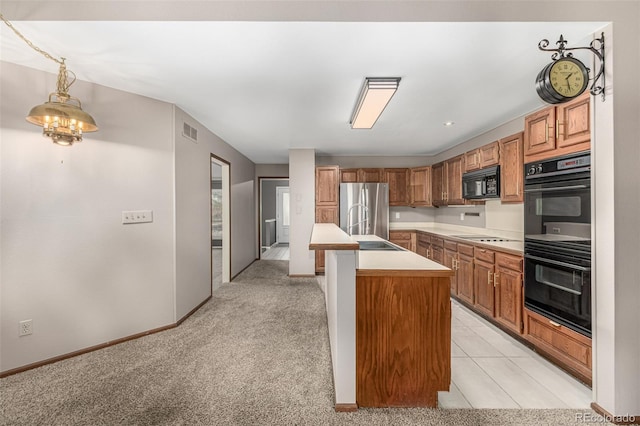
(438, 184)
(327, 185)
(455, 169)
(446, 178)
(348, 175)
(512, 169)
(398, 180)
(485, 156)
(558, 130)
(372, 175)
(420, 191)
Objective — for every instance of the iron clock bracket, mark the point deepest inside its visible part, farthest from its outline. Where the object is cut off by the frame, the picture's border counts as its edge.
(596, 47)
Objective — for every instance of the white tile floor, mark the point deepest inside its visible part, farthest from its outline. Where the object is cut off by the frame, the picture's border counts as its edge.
(490, 369)
(277, 252)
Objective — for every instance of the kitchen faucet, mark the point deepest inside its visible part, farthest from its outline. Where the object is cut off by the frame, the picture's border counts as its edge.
(365, 211)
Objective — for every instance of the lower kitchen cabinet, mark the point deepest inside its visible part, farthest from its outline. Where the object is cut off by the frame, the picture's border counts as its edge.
(568, 348)
(484, 299)
(508, 291)
(437, 250)
(465, 275)
(404, 239)
(423, 244)
(450, 260)
(483, 280)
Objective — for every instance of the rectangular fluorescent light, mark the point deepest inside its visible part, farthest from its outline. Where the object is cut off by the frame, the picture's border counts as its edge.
(374, 97)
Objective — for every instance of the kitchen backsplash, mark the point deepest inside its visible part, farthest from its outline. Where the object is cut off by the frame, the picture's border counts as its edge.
(463, 216)
(492, 215)
(411, 214)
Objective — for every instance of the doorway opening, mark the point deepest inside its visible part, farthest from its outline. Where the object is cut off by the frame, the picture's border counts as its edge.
(274, 218)
(220, 222)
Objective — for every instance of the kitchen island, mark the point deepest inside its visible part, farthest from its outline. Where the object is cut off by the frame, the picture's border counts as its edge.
(389, 319)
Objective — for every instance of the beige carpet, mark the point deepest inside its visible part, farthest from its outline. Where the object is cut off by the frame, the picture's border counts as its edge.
(256, 354)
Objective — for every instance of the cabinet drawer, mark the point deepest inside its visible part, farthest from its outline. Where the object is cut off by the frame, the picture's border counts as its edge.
(450, 245)
(465, 249)
(572, 349)
(509, 261)
(439, 242)
(399, 235)
(423, 238)
(485, 255)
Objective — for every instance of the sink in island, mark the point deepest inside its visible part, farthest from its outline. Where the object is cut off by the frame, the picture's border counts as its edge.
(389, 319)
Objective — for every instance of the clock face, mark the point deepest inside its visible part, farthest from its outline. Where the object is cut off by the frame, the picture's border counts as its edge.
(568, 77)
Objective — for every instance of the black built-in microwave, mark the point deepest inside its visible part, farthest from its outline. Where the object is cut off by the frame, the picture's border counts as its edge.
(481, 184)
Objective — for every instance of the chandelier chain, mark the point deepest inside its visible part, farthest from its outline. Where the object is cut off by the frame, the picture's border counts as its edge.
(33, 46)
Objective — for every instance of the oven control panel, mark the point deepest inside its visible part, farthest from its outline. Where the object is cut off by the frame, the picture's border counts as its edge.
(561, 165)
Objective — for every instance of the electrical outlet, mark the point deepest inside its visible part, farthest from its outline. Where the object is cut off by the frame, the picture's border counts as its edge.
(461, 216)
(26, 327)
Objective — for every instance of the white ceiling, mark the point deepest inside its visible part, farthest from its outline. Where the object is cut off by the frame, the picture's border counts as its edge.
(266, 87)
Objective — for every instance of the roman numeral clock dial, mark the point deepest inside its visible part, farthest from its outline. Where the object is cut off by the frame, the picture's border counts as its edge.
(562, 80)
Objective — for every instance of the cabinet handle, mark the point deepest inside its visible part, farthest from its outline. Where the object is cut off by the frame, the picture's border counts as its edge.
(489, 277)
(546, 132)
(553, 323)
(558, 124)
(495, 279)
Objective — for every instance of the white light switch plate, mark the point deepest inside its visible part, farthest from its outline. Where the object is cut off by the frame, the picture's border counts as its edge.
(137, 216)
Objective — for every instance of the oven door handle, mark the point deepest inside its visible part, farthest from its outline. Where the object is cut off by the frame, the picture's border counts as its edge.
(558, 263)
(559, 188)
(559, 287)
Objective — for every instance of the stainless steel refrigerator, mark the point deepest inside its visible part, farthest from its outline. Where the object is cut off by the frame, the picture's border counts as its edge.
(364, 209)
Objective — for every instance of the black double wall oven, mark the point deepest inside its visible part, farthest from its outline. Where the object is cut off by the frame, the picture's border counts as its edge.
(557, 243)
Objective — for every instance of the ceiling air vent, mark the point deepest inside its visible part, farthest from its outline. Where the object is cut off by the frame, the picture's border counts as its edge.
(190, 132)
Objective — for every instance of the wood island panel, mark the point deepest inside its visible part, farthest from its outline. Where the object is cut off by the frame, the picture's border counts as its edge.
(403, 340)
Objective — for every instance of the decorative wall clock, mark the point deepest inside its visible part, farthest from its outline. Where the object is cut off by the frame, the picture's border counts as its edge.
(566, 77)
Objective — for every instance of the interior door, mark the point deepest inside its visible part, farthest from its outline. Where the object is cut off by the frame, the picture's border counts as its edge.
(282, 214)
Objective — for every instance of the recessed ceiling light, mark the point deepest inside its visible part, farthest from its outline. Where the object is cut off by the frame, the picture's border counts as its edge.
(449, 123)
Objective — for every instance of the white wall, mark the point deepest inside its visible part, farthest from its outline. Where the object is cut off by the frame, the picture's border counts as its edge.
(67, 261)
(302, 177)
(193, 211)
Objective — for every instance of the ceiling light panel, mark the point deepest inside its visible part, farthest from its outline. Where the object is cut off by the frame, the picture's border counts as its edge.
(374, 97)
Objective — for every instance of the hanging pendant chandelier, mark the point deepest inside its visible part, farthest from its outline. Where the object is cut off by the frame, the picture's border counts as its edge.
(61, 117)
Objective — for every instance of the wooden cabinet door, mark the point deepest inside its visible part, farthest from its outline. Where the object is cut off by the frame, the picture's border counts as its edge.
(327, 184)
(508, 298)
(539, 133)
(438, 184)
(370, 175)
(455, 168)
(472, 160)
(450, 261)
(512, 169)
(483, 287)
(404, 239)
(464, 279)
(420, 178)
(398, 180)
(573, 124)
(489, 155)
(348, 175)
(423, 244)
(327, 214)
